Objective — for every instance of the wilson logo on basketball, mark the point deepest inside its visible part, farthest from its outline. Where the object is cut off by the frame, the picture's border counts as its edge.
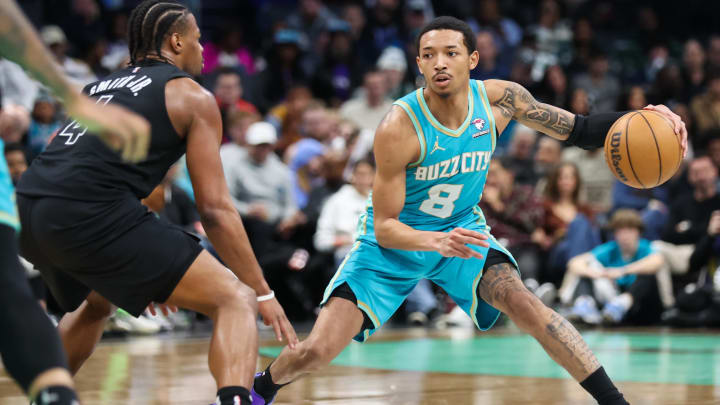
(615, 155)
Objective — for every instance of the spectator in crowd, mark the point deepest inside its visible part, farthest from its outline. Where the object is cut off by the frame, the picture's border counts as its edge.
(16, 87)
(514, 213)
(694, 71)
(597, 191)
(83, 22)
(227, 49)
(92, 54)
(690, 214)
(706, 106)
(43, 125)
(393, 64)
(171, 204)
(367, 110)
(651, 203)
(238, 122)
(488, 66)
(669, 86)
(117, 52)
(286, 117)
(602, 88)
(306, 166)
(506, 33)
(284, 69)
(582, 46)
(14, 123)
(339, 70)
(620, 275)
(633, 99)
(713, 52)
(54, 38)
(338, 222)
(228, 91)
(567, 229)
(548, 157)
(579, 102)
(552, 38)
(16, 161)
(311, 19)
(519, 158)
(385, 24)
(554, 88)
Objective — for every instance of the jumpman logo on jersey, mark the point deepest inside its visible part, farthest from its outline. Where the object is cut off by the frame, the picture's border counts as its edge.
(436, 146)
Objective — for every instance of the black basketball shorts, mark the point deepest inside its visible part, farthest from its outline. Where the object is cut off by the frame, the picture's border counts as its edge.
(117, 248)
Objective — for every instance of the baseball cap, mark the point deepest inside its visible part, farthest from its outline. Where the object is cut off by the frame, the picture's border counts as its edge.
(392, 58)
(52, 34)
(260, 133)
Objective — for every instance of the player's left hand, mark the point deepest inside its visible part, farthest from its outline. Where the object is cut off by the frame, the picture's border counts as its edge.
(678, 123)
(164, 308)
(615, 273)
(273, 314)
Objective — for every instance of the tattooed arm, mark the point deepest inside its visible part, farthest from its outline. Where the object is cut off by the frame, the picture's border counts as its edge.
(510, 100)
(119, 128)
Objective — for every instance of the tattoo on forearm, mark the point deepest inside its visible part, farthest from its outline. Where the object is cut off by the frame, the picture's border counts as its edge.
(574, 346)
(517, 102)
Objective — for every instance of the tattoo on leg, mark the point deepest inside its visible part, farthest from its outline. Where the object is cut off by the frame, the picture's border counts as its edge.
(498, 282)
(574, 346)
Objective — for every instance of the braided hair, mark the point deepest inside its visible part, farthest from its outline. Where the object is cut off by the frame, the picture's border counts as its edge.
(149, 24)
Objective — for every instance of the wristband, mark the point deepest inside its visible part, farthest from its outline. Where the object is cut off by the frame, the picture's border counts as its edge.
(266, 297)
(590, 132)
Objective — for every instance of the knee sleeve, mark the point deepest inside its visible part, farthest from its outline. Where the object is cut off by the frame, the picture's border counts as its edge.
(29, 344)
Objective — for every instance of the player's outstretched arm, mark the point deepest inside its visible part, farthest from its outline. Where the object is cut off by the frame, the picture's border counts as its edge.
(512, 101)
(119, 128)
(193, 111)
(396, 146)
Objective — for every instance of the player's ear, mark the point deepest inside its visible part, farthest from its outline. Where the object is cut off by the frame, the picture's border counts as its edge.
(417, 60)
(474, 59)
(176, 42)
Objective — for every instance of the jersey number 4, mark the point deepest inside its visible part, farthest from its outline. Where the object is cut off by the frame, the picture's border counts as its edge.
(73, 131)
(441, 201)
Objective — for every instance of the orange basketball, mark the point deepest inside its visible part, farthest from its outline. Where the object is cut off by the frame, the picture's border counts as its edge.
(642, 149)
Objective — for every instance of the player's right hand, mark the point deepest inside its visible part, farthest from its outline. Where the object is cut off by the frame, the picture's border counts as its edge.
(273, 314)
(455, 243)
(120, 129)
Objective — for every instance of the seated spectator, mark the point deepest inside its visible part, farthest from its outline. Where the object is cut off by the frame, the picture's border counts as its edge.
(317, 123)
(367, 110)
(519, 156)
(14, 123)
(393, 64)
(705, 107)
(488, 62)
(620, 275)
(690, 214)
(597, 179)
(306, 166)
(228, 92)
(16, 161)
(651, 203)
(337, 226)
(43, 125)
(172, 205)
(54, 38)
(16, 87)
(548, 157)
(238, 123)
(694, 67)
(554, 88)
(513, 212)
(284, 69)
(339, 71)
(603, 88)
(227, 50)
(286, 117)
(567, 229)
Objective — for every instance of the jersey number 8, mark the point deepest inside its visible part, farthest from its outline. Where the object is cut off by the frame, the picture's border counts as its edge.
(441, 201)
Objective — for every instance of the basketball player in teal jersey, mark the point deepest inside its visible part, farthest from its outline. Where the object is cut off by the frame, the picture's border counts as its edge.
(433, 150)
(29, 344)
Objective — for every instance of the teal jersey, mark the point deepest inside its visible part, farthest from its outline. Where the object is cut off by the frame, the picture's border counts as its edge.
(610, 255)
(8, 211)
(444, 186)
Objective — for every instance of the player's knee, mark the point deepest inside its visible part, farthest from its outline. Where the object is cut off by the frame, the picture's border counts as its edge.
(238, 297)
(523, 308)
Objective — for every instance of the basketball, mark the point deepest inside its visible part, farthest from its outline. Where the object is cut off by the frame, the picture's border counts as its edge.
(642, 149)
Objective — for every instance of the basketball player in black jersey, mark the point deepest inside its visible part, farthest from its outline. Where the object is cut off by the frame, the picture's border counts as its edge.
(96, 245)
(30, 347)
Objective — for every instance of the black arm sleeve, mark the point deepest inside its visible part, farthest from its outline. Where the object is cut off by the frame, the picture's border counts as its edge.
(589, 132)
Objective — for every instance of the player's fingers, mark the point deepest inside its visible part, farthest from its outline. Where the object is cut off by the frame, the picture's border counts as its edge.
(469, 240)
(465, 251)
(151, 308)
(468, 232)
(277, 328)
(289, 333)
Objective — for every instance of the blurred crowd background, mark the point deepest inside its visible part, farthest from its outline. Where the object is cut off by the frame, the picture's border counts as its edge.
(302, 85)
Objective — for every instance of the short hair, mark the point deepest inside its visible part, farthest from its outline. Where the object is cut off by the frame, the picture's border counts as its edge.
(453, 24)
(626, 218)
(148, 25)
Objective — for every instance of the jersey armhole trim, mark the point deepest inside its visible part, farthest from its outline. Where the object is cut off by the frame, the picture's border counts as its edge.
(418, 131)
(488, 111)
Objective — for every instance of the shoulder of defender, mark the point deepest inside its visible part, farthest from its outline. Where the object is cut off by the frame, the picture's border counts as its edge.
(186, 100)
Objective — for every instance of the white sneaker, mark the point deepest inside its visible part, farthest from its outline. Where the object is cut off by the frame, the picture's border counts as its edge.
(547, 293)
(140, 325)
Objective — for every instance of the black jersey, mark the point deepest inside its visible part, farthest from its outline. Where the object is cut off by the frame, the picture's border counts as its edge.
(78, 166)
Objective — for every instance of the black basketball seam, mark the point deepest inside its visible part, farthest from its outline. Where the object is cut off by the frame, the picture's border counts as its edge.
(627, 149)
(657, 146)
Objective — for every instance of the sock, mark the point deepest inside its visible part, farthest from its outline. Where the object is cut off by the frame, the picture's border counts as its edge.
(265, 386)
(233, 395)
(598, 384)
(56, 395)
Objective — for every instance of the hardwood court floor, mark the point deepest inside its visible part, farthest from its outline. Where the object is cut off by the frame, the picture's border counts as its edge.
(414, 366)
